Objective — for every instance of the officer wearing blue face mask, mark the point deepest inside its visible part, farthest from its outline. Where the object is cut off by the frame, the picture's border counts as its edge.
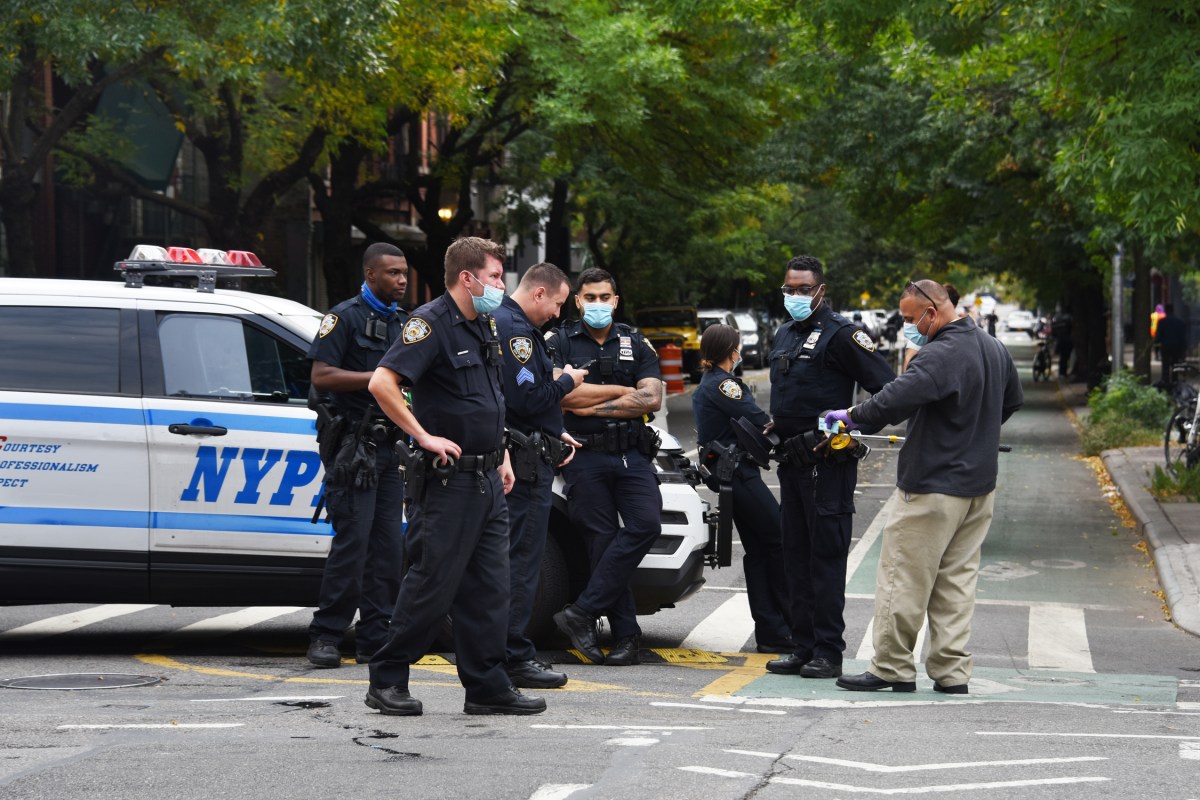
(611, 486)
(817, 359)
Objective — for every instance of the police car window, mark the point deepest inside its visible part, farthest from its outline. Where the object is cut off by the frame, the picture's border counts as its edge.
(220, 357)
(60, 349)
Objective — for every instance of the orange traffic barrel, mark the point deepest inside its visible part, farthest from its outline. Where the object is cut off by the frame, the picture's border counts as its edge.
(670, 359)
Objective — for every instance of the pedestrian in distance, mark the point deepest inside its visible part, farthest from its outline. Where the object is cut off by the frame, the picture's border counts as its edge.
(537, 444)
(612, 490)
(363, 490)
(1171, 338)
(719, 400)
(817, 360)
(456, 479)
(955, 395)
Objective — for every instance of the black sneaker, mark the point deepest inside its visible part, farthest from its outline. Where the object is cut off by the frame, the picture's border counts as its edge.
(323, 653)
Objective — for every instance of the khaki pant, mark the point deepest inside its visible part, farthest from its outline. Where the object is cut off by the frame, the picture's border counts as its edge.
(929, 565)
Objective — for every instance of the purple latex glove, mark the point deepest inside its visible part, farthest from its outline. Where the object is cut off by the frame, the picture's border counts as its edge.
(832, 418)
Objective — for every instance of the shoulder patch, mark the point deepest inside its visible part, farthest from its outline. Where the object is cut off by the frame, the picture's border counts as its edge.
(521, 347)
(327, 324)
(730, 388)
(415, 330)
(863, 341)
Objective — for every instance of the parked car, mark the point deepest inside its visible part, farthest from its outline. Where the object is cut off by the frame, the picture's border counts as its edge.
(713, 316)
(754, 340)
(1020, 320)
(156, 446)
(677, 325)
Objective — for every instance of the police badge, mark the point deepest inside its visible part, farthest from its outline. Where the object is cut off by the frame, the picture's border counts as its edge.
(415, 330)
(521, 347)
(327, 325)
(864, 341)
(731, 389)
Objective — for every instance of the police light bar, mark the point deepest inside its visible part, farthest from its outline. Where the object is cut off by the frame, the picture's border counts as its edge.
(206, 265)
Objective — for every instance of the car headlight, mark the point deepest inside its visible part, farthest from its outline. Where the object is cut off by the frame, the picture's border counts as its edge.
(749, 338)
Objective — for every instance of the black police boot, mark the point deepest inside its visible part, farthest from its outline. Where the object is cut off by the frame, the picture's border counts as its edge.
(790, 664)
(534, 675)
(394, 701)
(580, 628)
(507, 702)
(868, 682)
(821, 667)
(324, 653)
(624, 653)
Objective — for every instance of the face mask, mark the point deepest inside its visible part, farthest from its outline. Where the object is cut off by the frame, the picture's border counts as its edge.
(597, 315)
(489, 301)
(799, 306)
(737, 362)
(913, 333)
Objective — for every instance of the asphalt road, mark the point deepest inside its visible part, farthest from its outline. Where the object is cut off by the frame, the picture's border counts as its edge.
(1082, 689)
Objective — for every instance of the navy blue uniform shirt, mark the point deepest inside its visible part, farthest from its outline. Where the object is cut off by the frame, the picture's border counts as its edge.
(457, 394)
(344, 342)
(531, 394)
(719, 399)
(624, 358)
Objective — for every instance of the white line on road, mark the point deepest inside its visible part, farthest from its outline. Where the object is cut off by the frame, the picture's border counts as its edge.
(52, 626)
(1189, 751)
(651, 727)
(276, 699)
(233, 621)
(1089, 735)
(1058, 639)
(725, 630)
(842, 787)
(163, 725)
(557, 791)
(871, 767)
(719, 708)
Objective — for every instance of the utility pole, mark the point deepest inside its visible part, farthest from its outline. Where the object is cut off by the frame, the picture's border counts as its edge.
(1118, 346)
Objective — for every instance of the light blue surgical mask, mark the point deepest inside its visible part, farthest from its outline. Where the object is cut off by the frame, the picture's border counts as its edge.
(737, 362)
(914, 335)
(490, 300)
(799, 306)
(597, 316)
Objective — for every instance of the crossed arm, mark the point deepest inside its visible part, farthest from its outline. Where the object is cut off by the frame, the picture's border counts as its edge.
(628, 403)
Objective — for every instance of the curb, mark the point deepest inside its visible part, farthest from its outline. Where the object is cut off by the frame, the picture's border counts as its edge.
(1176, 561)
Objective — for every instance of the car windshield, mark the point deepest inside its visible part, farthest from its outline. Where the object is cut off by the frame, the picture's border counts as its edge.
(666, 318)
(746, 323)
(708, 322)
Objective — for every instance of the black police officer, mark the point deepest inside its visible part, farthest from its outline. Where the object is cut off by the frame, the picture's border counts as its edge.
(815, 362)
(537, 443)
(364, 500)
(612, 474)
(457, 538)
(718, 400)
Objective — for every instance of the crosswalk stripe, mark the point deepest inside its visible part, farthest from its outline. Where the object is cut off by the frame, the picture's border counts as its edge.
(1058, 639)
(233, 621)
(726, 629)
(63, 623)
(866, 648)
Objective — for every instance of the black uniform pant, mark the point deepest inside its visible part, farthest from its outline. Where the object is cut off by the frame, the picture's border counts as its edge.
(528, 519)
(756, 516)
(817, 505)
(362, 572)
(457, 547)
(601, 486)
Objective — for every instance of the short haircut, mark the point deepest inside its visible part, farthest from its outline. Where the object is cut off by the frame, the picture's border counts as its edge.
(926, 291)
(717, 344)
(379, 250)
(595, 275)
(807, 264)
(951, 292)
(546, 275)
(470, 253)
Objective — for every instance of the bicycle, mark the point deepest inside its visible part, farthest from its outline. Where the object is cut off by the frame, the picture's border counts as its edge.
(1181, 440)
(1041, 362)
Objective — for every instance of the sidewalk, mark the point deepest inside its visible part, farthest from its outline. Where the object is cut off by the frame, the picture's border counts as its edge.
(1171, 528)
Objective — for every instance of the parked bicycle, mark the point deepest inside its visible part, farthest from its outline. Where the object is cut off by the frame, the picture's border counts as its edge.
(1181, 441)
(1041, 362)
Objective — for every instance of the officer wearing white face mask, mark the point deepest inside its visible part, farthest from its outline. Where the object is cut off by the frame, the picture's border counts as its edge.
(816, 360)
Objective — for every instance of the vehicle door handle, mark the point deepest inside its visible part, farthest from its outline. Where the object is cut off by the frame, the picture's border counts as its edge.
(189, 430)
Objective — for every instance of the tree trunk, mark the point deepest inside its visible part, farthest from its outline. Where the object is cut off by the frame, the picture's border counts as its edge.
(17, 200)
(558, 234)
(342, 274)
(1141, 311)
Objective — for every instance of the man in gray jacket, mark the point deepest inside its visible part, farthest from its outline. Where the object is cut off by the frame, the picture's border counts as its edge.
(955, 394)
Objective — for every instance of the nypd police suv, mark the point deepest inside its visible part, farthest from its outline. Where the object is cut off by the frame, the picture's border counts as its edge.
(156, 446)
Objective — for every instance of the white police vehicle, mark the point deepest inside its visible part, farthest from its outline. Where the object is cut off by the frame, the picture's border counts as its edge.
(156, 447)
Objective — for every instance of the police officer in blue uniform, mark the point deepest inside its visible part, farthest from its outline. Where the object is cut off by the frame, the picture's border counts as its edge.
(815, 362)
(720, 399)
(456, 479)
(364, 493)
(537, 444)
(613, 473)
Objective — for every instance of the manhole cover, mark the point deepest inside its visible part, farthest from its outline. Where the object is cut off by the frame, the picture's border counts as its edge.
(80, 680)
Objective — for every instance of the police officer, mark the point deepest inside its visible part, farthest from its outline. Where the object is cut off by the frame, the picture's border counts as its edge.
(720, 399)
(456, 479)
(613, 473)
(816, 360)
(537, 443)
(364, 493)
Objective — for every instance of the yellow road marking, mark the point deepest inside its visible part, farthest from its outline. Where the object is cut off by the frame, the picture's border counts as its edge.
(738, 678)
